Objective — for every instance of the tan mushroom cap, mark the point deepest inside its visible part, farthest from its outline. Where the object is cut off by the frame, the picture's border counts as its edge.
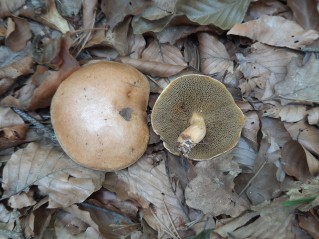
(99, 115)
(207, 97)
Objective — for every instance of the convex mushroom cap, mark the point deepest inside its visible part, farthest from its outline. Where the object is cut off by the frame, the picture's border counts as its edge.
(99, 115)
(197, 116)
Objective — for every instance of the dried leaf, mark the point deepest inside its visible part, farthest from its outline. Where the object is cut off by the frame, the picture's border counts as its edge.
(309, 223)
(313, 116)
(266, 221)
(212, 190)
(18, 33)
(152, 67)
(305, 13)
(251, 128)
(287, 113)
(136, 45)
(13, 136)
(276, 129)
(223, 14)
(141, 25)
(147, 183)
(8, 117)
(57, 176)
(306, 135)
(275, 31)
(245, 155)
(22, 200)
(7, 7)
(301, 82)
(5, 215)
(89, 9)
(159, 9)
(115, 12)
(214, 56)
(299, 162)
(268, 7)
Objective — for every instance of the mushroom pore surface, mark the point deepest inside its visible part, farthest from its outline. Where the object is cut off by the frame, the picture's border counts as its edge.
(99, 115)
(204, 96)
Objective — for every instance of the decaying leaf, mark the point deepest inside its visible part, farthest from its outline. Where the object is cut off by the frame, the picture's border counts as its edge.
(57, 176)
(211, 191)
(18, 33)
(309, 223)
(306, 135)
(287, 113)
(266, 221)
(301, 82)
(8, 117)
(298, 161)
(7, 7)
(136, 45)
(265, 7)
(13, 136)
(245, 155)
(276, 129)
(213, 54)
(275, 31)
(223, 14)
(147, 183)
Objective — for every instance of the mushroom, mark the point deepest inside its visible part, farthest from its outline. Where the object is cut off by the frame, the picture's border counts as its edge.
(99, 115)
(196, 116)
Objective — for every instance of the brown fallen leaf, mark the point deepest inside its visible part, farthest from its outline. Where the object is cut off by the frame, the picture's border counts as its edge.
(306, 135)
(13, 136)
(245, 155)
(18, 33)
(7, 7)
(56, 175)
(313, 116)
(136, 45)
(275, 31)
(8, 117)
(251, 128)
(22, 200)
(152, 67)
(213, 54)
(301, 82)
(276, 129)
(147, 183)
(299, 162)
(309, 223)
(287, 113)
(212, 190)
(264, 222)
(268, 7)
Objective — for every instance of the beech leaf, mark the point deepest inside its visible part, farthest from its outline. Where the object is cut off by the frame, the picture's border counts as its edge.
(275, 31)
(313, 116)
(57, 176)
(223, 14)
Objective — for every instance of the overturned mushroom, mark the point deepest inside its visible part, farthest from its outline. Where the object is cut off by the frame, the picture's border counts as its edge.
(99, 115)
(196, 116)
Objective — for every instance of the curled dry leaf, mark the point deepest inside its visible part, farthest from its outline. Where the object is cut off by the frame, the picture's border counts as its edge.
(13, 136)
(212, 190)
(214, 56)
(265, 221)
(287, 113)
(8, 117)
(152, 67)
(57, 176)
(301, 82)
(18, 33)
(10, 73)
(147, 183)
(298, 161)
(275, 31)
(313, 116)
(251, 128)
(306, 135)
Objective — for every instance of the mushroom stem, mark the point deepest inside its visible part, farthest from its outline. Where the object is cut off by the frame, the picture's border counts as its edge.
(192, 135)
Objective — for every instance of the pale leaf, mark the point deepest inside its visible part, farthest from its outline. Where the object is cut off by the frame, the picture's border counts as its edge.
(212, 190)
(251, 128)
(245, 155)
(159, 9)
(264, 222)
(306, 135)
(22, 200)
(141, 25)
(214, 56)
(275, 31)
(223, 14)
(301, 82)
(287, 113)
(152, 67)
(8, 117)
(313, 116)
(5, 215)
(147, 183)
(57, 176)
(276, 129)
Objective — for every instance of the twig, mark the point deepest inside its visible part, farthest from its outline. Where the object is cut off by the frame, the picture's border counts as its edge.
(26, 117)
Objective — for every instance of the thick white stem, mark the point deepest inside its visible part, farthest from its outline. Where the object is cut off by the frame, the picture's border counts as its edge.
(192, 135)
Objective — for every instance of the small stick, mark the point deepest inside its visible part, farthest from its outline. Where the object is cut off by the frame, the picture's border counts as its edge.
(26, 117)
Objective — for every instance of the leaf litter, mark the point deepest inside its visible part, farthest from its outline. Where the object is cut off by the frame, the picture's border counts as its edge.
(266, 187)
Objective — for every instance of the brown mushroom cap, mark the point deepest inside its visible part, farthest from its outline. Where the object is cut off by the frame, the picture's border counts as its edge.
(99, 115)
(207, 97)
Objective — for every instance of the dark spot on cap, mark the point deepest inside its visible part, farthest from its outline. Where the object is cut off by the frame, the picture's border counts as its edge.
(126, 113)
